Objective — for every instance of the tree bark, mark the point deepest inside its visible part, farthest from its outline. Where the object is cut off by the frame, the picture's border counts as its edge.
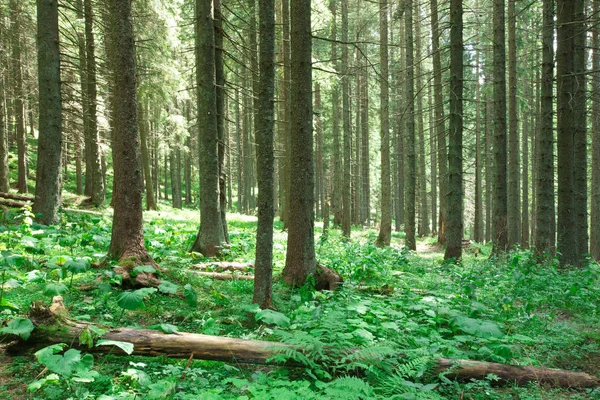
(19, 112)
(454, 198)
(410, 172)
(385, 227)
(48, 183)
(347, 134)
(210, 234)
(544, 213)
(336, 193)
(423, 229)
(4, 183)
(478, 222)
(127, 240)
(513, 203)
(300, 256)
(265, 160)
(144, 124)
(595, 194)
(499, 237)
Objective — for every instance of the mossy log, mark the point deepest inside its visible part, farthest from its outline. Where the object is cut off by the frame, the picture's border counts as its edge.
(224, 266)
(53, 325)
(16, 196)
(13, 203)
(225, 276)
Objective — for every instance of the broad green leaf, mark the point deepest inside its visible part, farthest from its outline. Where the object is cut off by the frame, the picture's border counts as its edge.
(15, 260)
(146, 291)
(7, 304)
(36, 385)
(65, 364)
(127, 347)
(131, 300)
(273, 317)
(21, 327)
(55, 289)
(59, 260)
(85, 376)
(190, 295)
(142, 268)
(77, 266)
(168, 287)
(31, 244)
(475, 327)
(251, 308)
(166, 328)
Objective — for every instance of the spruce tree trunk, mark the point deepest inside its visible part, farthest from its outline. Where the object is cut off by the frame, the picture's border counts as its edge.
(220, 96)
(240, 152)
(95, 174)
(365, 146)
(385, 227)
(48, 177)
(478, 223)
(287, 107)
(347, 175)
(19, 112)
(595, 195)
(422, 171)
(144, 125)
(336, 194)
(489, 181)
(567, 227)
(544, 213)
(439, 118)
(127, 240)
(210, 234)
(4, 184)
(454, 198)
(300, 260)
(265, 160)
(499, 222)
(411, 170)
(319, 198)
(513, 204)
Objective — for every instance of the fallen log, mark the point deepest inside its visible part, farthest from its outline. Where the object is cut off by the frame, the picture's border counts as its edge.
(224, 277)
(224, 266)
(13, 204)
(466, 370)
(16, 196)
(54, 326)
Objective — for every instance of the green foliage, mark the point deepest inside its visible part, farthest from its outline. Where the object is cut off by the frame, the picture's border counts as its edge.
(125, 346)
(134, 300)
(20, 326)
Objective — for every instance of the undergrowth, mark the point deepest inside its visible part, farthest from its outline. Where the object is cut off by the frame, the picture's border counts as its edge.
(379, 336)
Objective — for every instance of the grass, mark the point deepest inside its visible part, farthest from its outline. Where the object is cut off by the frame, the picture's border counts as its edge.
(509, 310)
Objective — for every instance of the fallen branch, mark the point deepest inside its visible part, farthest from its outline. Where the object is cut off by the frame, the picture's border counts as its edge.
(54, 326)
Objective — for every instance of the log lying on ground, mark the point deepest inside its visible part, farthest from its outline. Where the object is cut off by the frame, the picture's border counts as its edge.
(16, 196)
(224, 266)
(224, 277)
(13, 204)
(521, 375)
(186, 345)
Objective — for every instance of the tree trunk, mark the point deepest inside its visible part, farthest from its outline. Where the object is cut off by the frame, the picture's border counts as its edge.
(365, 146)
(410, 173)
(4, 183)
(336, 193)
(220, 98)
(478, 223)
(499, 223)
(347, 175)
(422, 171)
(319, 172)
(439, 118)
(454, 198)
(127, 240)
(385, 227)
(595, 195)
(90, 99)
(265, 160)
(513, 204)
(567, 228)
(300, 256)
(48, 178)
(19, 112)
(433, 160)
(210, 234)
(144, 125)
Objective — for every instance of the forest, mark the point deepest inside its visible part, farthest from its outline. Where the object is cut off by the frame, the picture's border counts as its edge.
(299, 199)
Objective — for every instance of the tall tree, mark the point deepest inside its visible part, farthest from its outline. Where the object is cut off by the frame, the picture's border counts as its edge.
(300, 259)
(439, 117)
(410, 170)
(423, 228)
(499, 224)
(454, 198)
(595, 194)
(127, 240)
(94, 176)
(346, 195)
(385, 227)
(544, 149)
(513, 209)
(265, 159)
(4, 183)
(336, 193)
(210, 234)
(48, 178)
(478, 222)
(19, 94)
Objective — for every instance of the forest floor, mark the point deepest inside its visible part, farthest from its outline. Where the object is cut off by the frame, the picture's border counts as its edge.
(393, 302)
